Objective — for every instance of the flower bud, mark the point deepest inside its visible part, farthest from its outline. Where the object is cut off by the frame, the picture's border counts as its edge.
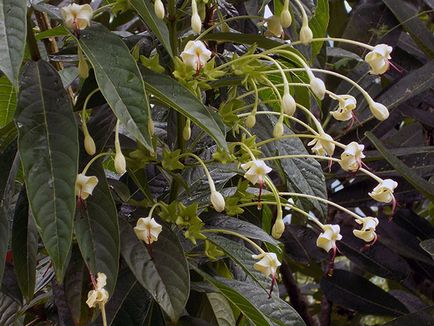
(285, 18)
(288, 104)
(186, 133)
(120, 163)
(379, 111)
(318, 87)
(306, 35)
(217, 201)
(159, 9)
(83, 67)
(278, 129)
(89, 144)
(196, 23)
(274, 26)
(151, 126)
(251, 120)
(278, 229)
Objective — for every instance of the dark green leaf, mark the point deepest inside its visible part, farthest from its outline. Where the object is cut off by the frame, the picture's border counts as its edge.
(119, 79)
(355, 292)
(242, 227)
(48, 146)
(421, 317)
(8, 101)
(165, 275)
(428, 246)
(407, 16)
(319, 23)
(146, 11)
(176, 96)
(8, 310)
(24, 246)
(12, 37)
(420, 184)
(97, 230)
(222, 309)
(9, 164)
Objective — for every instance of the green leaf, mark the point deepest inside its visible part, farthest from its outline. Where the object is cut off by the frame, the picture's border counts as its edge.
(355, 292)
(238, 300)
(146, 11)
(9, 164)
(303, 175)
(97, 230)
(176, 96)
(119, 79)
(222, 309)
(428, 246)
(165, 275)
(48, 146)
(424, 187)
(9, 309)
(407, 16)
(24, 246)
(319, 23)
(8, 101)
(420, 317)
(13, 24)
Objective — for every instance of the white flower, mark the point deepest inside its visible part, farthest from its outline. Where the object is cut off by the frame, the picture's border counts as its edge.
(378, 59)
(99, 295)
(76, 16)
(195, 54)
(285, 18)
(288, 104)
(383, 192)
(351, 158)
(84, 185)
(268, 263)
(217, 201)
(323, 146)
(257, 169)
(327, 239)
(306, 34)
(147, 229)
(274, 26)
(367, 233)
(379, 111)
(318, 87)
(159, 9)
(347, 104)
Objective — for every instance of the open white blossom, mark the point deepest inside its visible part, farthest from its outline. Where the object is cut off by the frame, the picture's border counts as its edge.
(347, 104)
(378, 59)
(327, 239)
(195, 54)
(268, 263)
(323, 146)
(351, 158)
(256, 170)
(367, 233)
(77, 16)
(383, 192)
(85, 185)
(98, 295)
(147, 229)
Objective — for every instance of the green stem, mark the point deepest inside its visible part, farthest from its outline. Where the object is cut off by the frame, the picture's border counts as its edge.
(236, 235)
(208, 175)
(336, 39)
(94, 159)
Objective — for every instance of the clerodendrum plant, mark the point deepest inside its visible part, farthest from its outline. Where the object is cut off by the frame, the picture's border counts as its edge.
(153, 171)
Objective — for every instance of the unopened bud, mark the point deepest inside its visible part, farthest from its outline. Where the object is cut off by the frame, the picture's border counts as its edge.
(306, 35)
(89, 144)
(278, 129)
(251, 120)
(120, 163)
(379, 111)
(288, 104)
(217, 201)
(278, 229)
(186, 133)
(159, 9)
(285, 18)
(318, 87)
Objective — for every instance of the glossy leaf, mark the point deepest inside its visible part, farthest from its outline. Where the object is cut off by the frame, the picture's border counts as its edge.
(8, 101)
(420, 184)
(222, 309)
(48, 146)
(421, 317)
(164, 275)
(319, 23)
(176, 96)
(118, 78)
(97, 230)
(428, 246)
(146, 11)
(9, 165)
(355, 292)
(24, 246)
(13, 24)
